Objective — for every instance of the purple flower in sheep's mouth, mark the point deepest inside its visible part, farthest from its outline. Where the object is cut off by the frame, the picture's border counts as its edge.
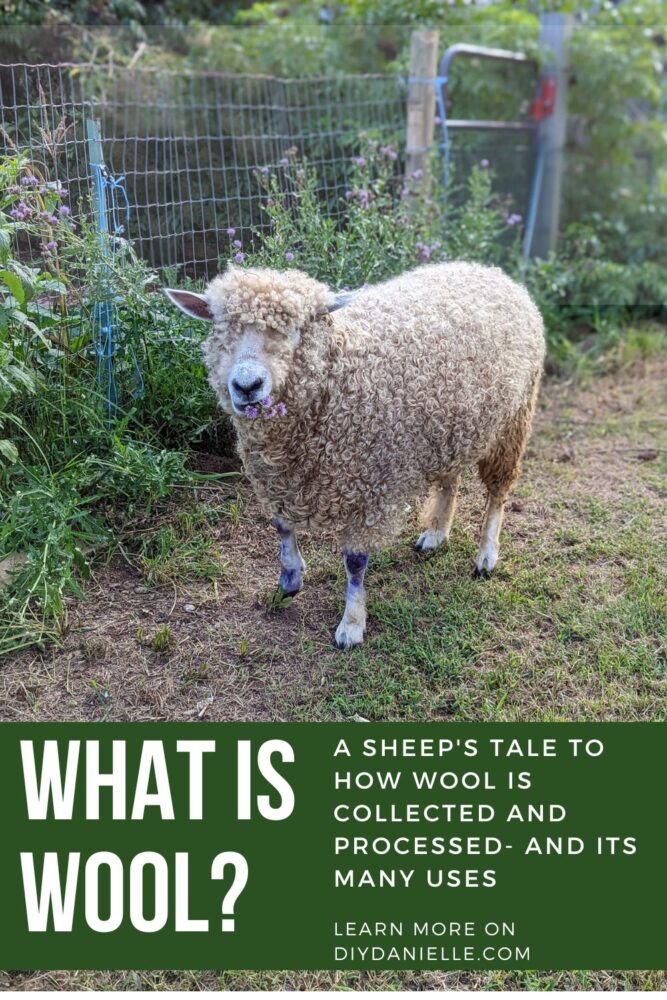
(266, 409)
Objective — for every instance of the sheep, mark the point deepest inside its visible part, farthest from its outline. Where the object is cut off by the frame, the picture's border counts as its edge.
(348, 406)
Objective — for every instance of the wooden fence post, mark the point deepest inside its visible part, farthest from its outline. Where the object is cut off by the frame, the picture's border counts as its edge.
(421, 100)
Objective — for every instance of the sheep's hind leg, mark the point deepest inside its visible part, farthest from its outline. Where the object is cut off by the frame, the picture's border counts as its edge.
(350, 632)
(438, 514)
(499, 471)
(293, 566)
(487, 557)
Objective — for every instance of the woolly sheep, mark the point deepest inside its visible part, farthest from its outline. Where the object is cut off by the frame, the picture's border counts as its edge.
(349, 406)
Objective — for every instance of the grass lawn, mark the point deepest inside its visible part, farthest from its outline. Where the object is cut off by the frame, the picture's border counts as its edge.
(573, 625)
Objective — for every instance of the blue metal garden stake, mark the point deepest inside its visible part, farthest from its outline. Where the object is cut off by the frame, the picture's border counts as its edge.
(106, 192)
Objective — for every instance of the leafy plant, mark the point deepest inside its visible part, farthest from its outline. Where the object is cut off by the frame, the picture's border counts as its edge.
(162, 639)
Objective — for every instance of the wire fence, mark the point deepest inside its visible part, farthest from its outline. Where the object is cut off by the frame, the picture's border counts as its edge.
(188, 144)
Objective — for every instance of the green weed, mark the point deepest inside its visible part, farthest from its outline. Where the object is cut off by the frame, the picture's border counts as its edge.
(276, 600)
(161, 640)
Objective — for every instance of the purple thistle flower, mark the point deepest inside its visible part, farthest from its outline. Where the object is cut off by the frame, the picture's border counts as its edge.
(251, 412)
(52, 220)
(359, 161)
(51, 245)
(282, 409)
(417, 174)
(405, 192)
(289, 256)
(64, 210)
(269, 202)
(484, 163)
(63, 192)
(231, 231)
(267, 401)
(14, 189)
(284, 162)
(17, 214)
(239, 257)
(363, 197)
(270, 414)
(389, 151)
(513, 219)
(349, 194)
(237, 244)
(263, 170)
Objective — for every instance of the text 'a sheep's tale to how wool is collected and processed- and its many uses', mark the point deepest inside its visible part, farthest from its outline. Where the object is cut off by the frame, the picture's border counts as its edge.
(333, 845)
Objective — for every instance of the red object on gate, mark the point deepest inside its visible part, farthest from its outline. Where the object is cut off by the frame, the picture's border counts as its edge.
(543, 105)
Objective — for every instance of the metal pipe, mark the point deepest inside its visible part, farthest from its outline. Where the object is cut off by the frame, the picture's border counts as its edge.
(481, 52)
(491, 126)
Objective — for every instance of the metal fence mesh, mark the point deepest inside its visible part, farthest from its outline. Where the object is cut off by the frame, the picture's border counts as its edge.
(188, 144)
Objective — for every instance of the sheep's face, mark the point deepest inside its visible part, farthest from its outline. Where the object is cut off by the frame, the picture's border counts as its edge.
(259, 317)
(248, 366)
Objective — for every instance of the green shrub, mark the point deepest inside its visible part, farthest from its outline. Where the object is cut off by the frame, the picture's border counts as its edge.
(581, 292)
(73, 474)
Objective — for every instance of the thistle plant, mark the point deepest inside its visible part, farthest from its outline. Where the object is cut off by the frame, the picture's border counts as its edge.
(387, 222)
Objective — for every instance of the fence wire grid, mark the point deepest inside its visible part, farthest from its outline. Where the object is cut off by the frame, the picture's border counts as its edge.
(188, 144)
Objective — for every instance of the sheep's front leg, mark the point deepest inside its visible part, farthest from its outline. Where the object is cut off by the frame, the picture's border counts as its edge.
(293, 566)
(350, 632)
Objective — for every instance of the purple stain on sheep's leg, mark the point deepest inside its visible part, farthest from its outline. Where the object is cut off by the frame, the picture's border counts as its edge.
(293, 566)
(350, 632)
(355, 564)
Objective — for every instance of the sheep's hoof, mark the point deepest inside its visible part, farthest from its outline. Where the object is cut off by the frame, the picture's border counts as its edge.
(484, 571)
(430, 540)
(348, 635)
(290, 583)
(486, 561)
(481, 574)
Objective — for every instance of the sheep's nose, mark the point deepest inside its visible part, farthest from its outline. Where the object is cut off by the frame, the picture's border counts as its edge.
(247, 388)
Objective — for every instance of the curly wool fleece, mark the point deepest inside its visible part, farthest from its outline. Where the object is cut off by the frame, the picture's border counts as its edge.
(413, 380)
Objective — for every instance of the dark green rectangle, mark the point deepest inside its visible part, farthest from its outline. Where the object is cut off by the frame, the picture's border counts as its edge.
(557, 911)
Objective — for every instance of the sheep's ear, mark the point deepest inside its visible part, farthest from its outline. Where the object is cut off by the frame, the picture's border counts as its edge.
(342, 299)
(191, 303)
